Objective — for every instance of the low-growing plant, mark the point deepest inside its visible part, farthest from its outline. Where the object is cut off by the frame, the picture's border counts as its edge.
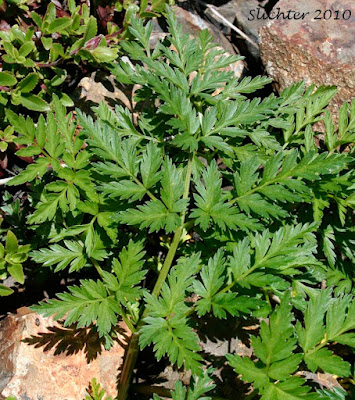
(6, 137)
(33, 52)
(201, 202)
(96, 392)
(12, 256)
(39, 53)
(145, 8)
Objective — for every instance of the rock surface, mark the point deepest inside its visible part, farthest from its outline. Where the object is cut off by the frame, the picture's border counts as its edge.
(39, 359)
(316, 51)
(192, 24)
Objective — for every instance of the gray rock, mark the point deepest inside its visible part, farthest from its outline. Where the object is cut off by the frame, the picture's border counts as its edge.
(192, 24)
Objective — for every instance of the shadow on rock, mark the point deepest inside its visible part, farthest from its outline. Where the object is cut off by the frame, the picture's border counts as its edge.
(71, 340)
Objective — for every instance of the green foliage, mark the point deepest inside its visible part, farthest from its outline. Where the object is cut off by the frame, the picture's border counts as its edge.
(96, 392)
(199, 204)
(40, 56)
(346, 127)
(85, 304)
(6, 137)
(12, 256)
(99, 301)
(31, 69)
(261, 262)
(198, 387)
(212, 205)
(166, 325)
(281, 346)
(315, 335)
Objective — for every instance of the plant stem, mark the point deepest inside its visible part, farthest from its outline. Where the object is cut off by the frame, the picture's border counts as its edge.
(97, 266)
(128, 366)
(133, 347)
(151, 390)
(127, 321)
(168, 261)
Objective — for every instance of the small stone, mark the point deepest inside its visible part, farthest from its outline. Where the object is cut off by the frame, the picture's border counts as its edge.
(40, 359)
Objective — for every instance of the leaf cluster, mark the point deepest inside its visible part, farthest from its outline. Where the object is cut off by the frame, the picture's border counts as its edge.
(33, 54)
(282, 346)
(38, 55)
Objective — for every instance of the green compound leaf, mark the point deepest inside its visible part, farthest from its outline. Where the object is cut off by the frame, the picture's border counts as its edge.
(199, 386)
(128, 274)
(153, 215)
(292, 389)
(212, 208)
(167, 326)
(60, 256)
(90, 303)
